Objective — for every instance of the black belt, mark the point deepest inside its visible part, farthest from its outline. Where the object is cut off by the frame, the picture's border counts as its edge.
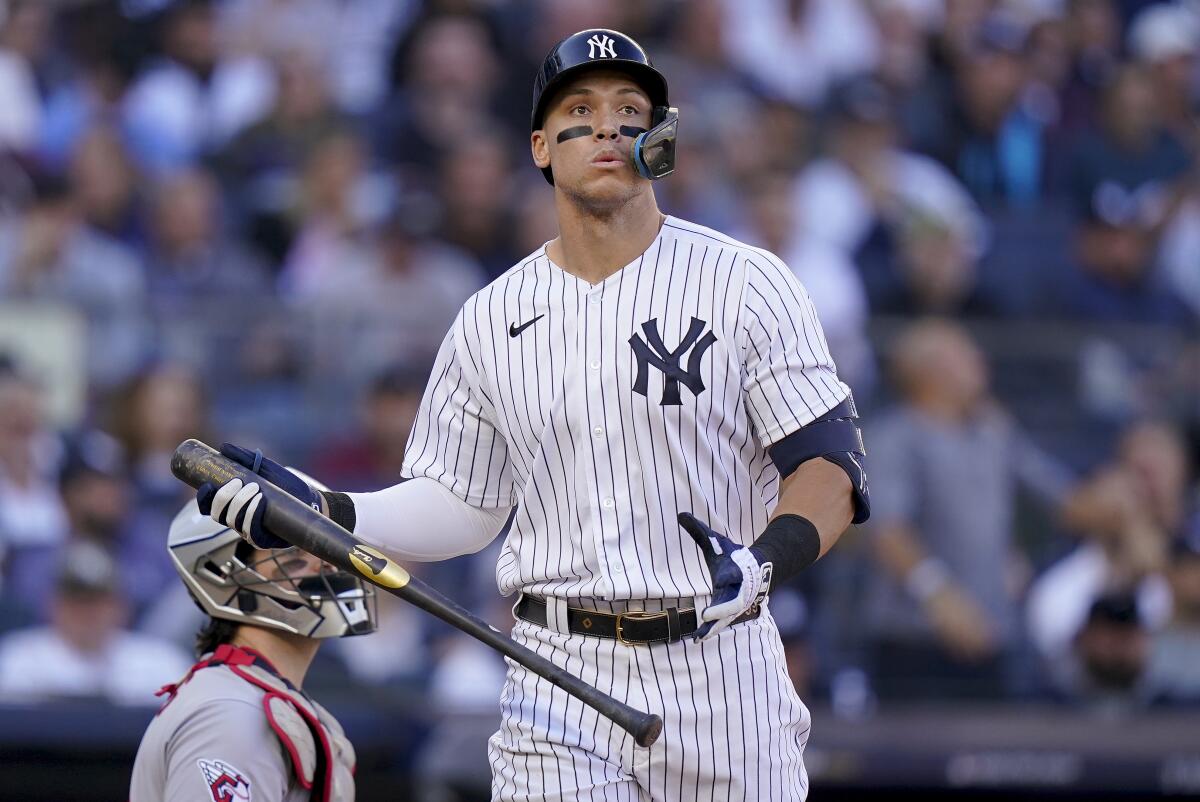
(631, 628)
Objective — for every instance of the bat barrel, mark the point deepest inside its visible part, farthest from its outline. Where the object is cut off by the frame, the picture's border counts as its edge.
(195, 463)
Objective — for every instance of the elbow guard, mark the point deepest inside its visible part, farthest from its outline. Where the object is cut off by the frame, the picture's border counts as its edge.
(834, 436)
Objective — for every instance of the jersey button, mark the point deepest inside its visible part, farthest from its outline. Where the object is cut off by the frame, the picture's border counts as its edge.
(608, 503)
(598, 431)
(595, 299)
(618, 568)
(596, 365)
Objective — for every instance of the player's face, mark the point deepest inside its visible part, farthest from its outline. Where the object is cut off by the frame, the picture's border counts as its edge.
(582, 138)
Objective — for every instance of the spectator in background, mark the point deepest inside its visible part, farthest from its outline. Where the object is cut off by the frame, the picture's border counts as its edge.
(192, 263)
(48, 254)
(1129, 146)
(150, 416)
(389, 303)
(33, 520)
(336, 213)
(477, 208)
(1127, 514)
(96, 498)
(371, 457)
(1105, 671)
(452, 82)
(987, 132)
(827, 273)
(942, 609)
(1173, 673)
(24, 28)
(837, 39)
(104, 184)
(1165, 37)
(85, 651)
(262, 166)
(193, 99)
(1113, 277)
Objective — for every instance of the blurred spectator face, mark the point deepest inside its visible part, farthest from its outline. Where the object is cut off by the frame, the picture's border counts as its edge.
(454, 56)
(537, 221)
(990, 82)
(102, 178)
(20, 412)
(97, 503)
(1049, 56)
(936, 364)
(771, 210)
(698, 33)
(1093, 25)
(185, 211)
(302, 93)
(88, 610)
(162, 409)
(48, 227)
(902, 59)
(25, 28)
(936, 264)
(1119, 254)
(579, 170)
(1131, 112)
(1184, 576)
(190, 36)
(389, 416)
(1113, 649)
(332, 172)
(473, 180)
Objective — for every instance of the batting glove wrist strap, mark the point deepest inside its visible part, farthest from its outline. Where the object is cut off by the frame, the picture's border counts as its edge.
(790, 543)
(341, 509)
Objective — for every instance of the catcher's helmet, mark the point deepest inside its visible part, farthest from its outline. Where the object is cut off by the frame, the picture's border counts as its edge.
(601, 48)
(231, 580)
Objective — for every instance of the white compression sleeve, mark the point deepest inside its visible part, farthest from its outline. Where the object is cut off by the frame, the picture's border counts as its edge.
(421, 520)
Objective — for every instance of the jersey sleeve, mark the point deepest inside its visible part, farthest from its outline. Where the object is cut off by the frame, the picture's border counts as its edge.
(454, 440)
(789, 378)
(226, 750)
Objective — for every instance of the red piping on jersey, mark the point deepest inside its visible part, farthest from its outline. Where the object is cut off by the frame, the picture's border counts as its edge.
(236, 657)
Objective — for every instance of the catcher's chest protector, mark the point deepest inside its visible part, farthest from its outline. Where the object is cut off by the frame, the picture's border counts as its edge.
(321, 755)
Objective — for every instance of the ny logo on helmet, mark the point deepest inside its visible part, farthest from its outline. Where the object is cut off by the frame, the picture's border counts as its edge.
(653, 351)
(603, 43)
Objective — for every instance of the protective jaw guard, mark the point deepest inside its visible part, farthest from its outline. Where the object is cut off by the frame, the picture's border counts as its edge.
(654, 150)
(213, 562)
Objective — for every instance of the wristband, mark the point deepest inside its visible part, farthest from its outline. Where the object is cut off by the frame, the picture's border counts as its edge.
(790, 543)
(927, 578)
(341, 509)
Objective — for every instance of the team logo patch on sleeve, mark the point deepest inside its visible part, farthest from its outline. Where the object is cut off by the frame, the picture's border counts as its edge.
(225, 783)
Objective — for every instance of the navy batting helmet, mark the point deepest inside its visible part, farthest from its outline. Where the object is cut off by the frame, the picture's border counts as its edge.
(601, 48)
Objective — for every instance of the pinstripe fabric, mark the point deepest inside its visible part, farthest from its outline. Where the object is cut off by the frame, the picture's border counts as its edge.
(550, 419)
(601, 412)
(733, 727)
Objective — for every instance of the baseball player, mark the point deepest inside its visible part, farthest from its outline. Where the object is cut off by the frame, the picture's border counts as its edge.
(238, 726)
(658, 402)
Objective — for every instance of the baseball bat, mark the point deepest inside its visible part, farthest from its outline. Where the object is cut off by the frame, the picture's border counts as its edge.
(286, 516)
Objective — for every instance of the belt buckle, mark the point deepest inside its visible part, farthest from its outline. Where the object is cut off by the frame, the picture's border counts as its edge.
(636, 615)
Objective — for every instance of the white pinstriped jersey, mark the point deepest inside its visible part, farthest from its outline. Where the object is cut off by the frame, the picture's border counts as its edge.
(602, 411)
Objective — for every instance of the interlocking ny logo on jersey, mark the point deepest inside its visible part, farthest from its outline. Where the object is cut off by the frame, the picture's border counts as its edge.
(604, 44)
(652, 351)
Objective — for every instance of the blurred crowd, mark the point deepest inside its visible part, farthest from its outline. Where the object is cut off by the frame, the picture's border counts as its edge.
(254, 220)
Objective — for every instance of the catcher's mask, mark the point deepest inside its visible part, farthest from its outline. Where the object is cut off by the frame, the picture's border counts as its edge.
(281, 589)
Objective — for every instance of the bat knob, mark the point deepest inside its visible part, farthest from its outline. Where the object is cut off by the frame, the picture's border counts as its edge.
(648, 730)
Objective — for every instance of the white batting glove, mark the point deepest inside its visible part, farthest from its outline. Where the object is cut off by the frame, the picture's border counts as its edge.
(739, 580)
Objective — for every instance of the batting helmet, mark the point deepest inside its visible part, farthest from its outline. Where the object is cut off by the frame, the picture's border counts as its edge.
(232, 580)
(601, 48)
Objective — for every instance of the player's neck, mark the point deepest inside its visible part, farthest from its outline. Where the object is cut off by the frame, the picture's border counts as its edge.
(290, 654)
(593, 247)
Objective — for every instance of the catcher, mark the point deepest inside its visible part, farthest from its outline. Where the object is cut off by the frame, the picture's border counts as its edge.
(238, 726)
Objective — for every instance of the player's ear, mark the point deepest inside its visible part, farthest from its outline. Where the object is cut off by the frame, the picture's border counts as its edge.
(539, 146)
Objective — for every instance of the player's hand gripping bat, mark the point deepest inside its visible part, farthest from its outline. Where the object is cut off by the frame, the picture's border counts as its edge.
(195, 463)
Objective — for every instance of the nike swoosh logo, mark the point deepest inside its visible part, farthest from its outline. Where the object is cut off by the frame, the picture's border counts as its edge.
(514, 330)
